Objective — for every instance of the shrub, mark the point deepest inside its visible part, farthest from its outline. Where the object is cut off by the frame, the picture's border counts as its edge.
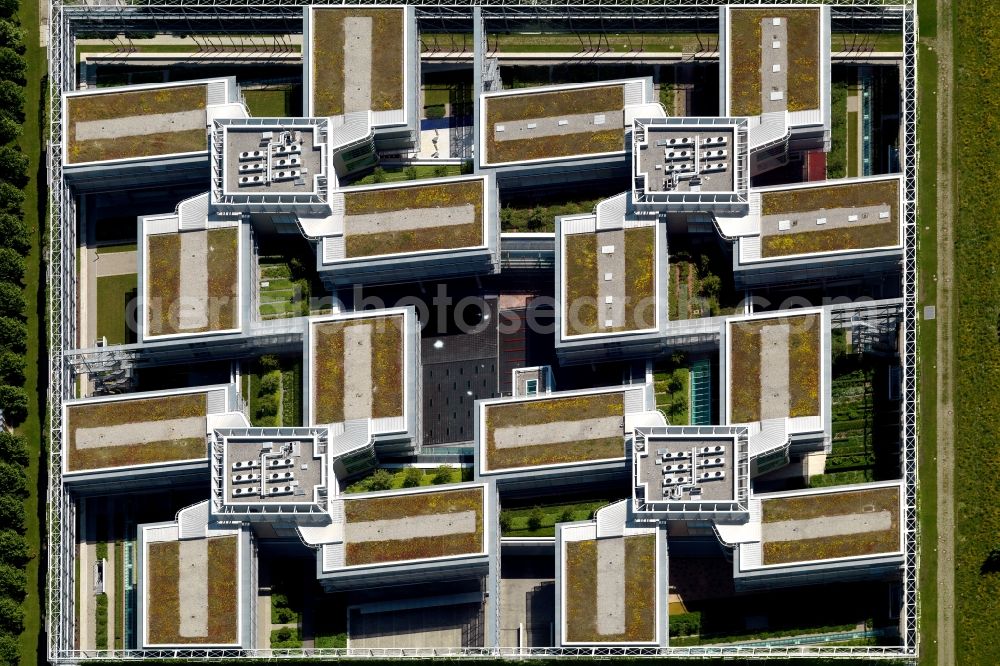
(13, 448)
(434, 111)
(284, 634)
(268, 362)
(536, 220)
(11, 265)
(12, 513)
(441, 171)
(101, 622)
(685, 624)
(13, 548)
(566, 516)
(267, 406)
(14, 232)
(412, 477)
(410, 172)
(13, 163)
(13, 65)
(13, 334)
(285, 615)
(11, 368)
(13, 480)
(442, 475)
(11, 300)
(14, 402)
(380, 480)
(505, 522)
(378, 175)
(11, 616)
(12, 97)
(535, 519)
(10, 651)
(13, 582)
(270, 383)
(11, 198)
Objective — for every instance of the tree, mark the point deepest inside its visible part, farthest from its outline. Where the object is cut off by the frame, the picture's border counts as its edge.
(13, 164)
(11, 265)
(410, 172)
(11, 198)
(10, 129)
(12, 97)
(12, 513)
(14, 402)
(11, 368)
(378, 175)
(13, 448)
(270, 383)
(11, 300)
(13, 583)
(535, 519)
(442, 475)
(711, 285)
(13, 548)
(412, 477)
(566, 516)
(13, 65)
(11, 36)
(266, 406)
(10, 651)
(14, 232)
(268, 362)
(380, 480)
(505, 522)
(440, 171)
(9, 7)
(11, 616)
(13, 334)
(536, 220)
(13, 480)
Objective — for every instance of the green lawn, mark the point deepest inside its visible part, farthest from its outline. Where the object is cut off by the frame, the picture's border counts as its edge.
(36, 357)
(976, 372)
(836, 159)
(112, 249)
(672, 384)
(518, 525)
(280, 296)
(399, 476)
(272, 103)
(853, 144)
(288, 394)
(864, 41)
(114, 292)
(396, 175)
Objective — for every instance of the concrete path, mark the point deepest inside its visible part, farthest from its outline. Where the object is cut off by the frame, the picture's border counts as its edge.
(409, 220)
(412, 527)
(558, 432)
(192, 586)
(154, 123)
(107, 264)
(357, 63)
(193, 312)
(774, 395)
(572, 123)
(613, 264)
(358, 372)
(611, 586)
(827, 526)
(131, 434)
(771, 57)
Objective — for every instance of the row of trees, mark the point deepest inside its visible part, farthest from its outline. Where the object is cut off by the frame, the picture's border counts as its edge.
(15, 244)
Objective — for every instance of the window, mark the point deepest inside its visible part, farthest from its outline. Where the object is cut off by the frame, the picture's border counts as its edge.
(531, 387)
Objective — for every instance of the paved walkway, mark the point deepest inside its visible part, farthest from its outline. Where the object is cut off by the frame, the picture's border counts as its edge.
(610, 599)
(409, 219)
(827, 526)
(412, 527)
(107, 264)
(558, 432)
(131, 434)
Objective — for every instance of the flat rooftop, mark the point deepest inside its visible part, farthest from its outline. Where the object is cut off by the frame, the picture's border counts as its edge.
(398, 527)
(357, 58)
(553, 429)
(191, 281)
(609, 589)
(272, 470)
(273, 159)
(572, 121)
(402, 219)
(830, 525)
(830, 218)
(357, 369)
(609, 281)
(120, 123)
(192, 591)
(774, 60)
(682, 469)
(141, 430)
(686, 159)
(774, 367)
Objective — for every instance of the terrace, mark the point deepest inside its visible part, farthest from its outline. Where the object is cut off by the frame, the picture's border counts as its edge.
(115, 124)
(854, 215)
(357, 368)
(831, 524)
(774, 60)
(141, 429)
(403, 219)
(608, 278)
(609, 588)
(551, 123)
(774, 367)
(357, 60)
(556, 429)
(191, 280)
(388, 528)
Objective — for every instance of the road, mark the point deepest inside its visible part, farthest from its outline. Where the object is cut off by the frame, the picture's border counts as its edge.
(945, 351)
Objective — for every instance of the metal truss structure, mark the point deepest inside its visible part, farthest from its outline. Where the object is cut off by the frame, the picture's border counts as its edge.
(270, 17)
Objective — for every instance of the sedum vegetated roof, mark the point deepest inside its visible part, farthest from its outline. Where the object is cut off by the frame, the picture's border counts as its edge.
(125, 108)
